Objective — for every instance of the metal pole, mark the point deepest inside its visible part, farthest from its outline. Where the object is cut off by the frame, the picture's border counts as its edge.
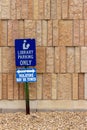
(27, 98)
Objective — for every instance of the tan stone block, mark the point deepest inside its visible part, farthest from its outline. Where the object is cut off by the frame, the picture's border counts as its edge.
(30, 9)
(33, 90)
(77, 59)
(65, 33)
(5, 9)
(59, 9)
(4, 33)
(62, 59)
(85, 87)
(41, 60)
(85, 9)
(5, 59)
(47, 86)
(16, 88)
(30, 31)
(10, 86)
(13, 9)
(75, 87)
(76, 32)
(81, 86)
(44, 33)
(0, 32)
(57, 60)
(41, 9)
(82, 30)
(55, 32)
(75, 9)
(83, 59)
(85, 32)
(18, 9)
(21, 29)
(4, 86)
(1, 86)
(0, 8)
(64, 86)
(53, 9)
(50, 33)
(21, 91)
(65, 8)
(49, 59)
(46, 9)
(10, 33)
(39, 32)
(0, 59)
(11, 59)
(54, 86)
(39, 86)
(70, 59)
(36, 4)
(24, 9)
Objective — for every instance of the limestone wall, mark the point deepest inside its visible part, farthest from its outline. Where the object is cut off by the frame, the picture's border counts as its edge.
(60, 30)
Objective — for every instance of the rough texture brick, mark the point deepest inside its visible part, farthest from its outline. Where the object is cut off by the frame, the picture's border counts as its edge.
(16, 88)
(49, 59)
(38, 33)
(54, 86)
(46, 9)
(0, 59)
(62, 59)
(33, 90)
(24, 9)
(75, 9)
(85, 9)
(10, 86)
(5, 65)
(0, 8)
(3, 33)
(10, 33)
(75, 87)
(41, 9)
(65, 33)
(35, 9)
(57, 60)
(85, 87)
(4, 86)
(18, 9)
(30, 9)
(13, 9)
(65, 9)
(21, 29)
(70, 59)
(82, 30)
(84, 59)
(85, 32)
(21, 91)
(39, 86)
(50, 33)
(40, 60)
(5, 9)
(55, 32)
(81, 87)
(64, 86)
(30, 29)
(1, 86)
(44, 33)
(47, 84)
(77, 59)
(53, 9)
(59, 8)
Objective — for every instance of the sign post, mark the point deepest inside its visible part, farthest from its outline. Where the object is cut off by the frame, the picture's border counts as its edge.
(25, 55)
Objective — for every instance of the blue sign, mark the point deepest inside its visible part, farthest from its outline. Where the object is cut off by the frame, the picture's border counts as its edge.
(25, 52)
(26, 75)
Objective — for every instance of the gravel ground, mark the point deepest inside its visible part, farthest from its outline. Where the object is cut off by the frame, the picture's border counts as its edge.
(44, 121)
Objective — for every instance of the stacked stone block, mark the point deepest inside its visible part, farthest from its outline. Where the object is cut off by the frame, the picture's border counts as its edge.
(60, 30)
